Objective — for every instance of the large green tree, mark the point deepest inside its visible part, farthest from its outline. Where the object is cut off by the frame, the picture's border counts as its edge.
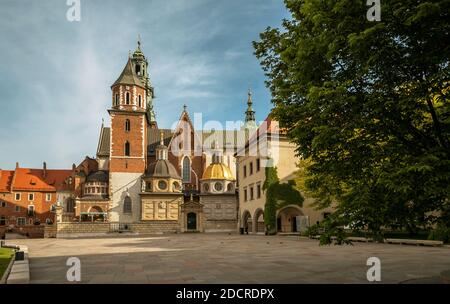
(367, 105)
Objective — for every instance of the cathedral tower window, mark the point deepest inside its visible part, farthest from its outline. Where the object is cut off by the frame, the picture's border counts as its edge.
(116, 101)
(127, 205)
(127, 98)
(140, 101)
(127, 149)
(186, 169)
(127, 125)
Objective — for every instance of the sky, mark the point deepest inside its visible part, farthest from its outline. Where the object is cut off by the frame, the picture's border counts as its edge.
(55, 75)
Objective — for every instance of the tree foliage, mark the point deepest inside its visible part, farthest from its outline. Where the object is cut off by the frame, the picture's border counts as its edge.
(367, 105)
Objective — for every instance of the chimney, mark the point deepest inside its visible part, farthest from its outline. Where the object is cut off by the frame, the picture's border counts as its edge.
(73, 167)
(45, 169)
(17, 165)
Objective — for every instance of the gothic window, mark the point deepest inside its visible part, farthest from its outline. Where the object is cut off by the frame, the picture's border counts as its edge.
(127, 205)
(127, 149)
(186, 170)
(127, 125)
(127, 98)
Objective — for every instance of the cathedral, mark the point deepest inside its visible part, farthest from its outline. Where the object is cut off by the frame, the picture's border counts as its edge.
(149, 179)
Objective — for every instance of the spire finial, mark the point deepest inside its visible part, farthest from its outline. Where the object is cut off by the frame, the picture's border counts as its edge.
(139, 41)
(161, 138)
(184, 107)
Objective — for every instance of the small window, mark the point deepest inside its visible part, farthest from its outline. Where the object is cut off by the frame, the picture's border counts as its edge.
(140, 101)
(245, 195)
(258, 165)
(2, 220)
(17, 208)
(117, 100)
(206, 187)
(127, 205)
(127, 98)
(258, 191)
(48, 197)
(230, 187)
(127, 149)
(245, 171)
(127, 125)
(162, 185)
(17, 197)
(218, 186)
(251, 194)
(21, 221)
(251, 168)
(30, 210)
(31, 196)
(3, 204)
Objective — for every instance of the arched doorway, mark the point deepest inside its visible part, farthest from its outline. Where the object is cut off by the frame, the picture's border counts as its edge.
(259, 220)
(191, 221)
(287, 218)
(247, 222)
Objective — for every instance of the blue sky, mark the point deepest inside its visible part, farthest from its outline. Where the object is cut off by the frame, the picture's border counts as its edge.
(55, 75)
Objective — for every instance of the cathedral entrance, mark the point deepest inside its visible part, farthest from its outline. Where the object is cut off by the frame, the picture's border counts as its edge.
(192, 221)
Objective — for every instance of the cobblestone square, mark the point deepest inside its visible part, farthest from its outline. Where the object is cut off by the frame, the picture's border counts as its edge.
(223, 258)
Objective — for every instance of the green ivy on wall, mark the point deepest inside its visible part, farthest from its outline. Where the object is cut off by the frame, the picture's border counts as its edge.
(278, 195)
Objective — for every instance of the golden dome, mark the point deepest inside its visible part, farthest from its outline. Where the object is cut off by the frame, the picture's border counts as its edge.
(218, 171)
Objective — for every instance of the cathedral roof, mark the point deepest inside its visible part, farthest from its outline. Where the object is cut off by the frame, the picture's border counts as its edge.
(162, 168)
(232, 139)
(103, 142)
(98, 176)
(218, 171)
(128, 76)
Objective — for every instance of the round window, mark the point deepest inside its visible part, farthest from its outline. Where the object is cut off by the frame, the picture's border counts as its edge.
(218, 186)
(206, 187)
(230, 187)
(162, 185)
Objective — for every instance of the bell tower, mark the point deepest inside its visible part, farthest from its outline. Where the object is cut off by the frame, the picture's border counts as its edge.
(131, 95)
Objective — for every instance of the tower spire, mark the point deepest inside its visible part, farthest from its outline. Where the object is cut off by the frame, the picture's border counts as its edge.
(250, 121)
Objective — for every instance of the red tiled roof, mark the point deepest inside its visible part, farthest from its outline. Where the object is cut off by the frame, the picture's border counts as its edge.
(33, 179)
(5, 180)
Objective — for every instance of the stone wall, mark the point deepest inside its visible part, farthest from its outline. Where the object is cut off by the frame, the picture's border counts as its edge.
(221, 226)
(156, 227)
(98, 229)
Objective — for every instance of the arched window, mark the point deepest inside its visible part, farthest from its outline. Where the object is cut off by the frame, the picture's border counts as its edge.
(127, 149)
(117, 99)
(127, 125)
(127, 98)
(127, 205)
(140, 101)
(186, 170)
(138, 69)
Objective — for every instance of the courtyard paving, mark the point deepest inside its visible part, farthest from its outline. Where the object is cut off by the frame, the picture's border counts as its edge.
(223, 258)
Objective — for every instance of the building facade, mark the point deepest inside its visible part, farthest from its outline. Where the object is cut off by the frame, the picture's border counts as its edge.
(269, 146)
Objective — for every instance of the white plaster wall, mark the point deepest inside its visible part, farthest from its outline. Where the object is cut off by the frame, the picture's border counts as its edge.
(122, 184)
